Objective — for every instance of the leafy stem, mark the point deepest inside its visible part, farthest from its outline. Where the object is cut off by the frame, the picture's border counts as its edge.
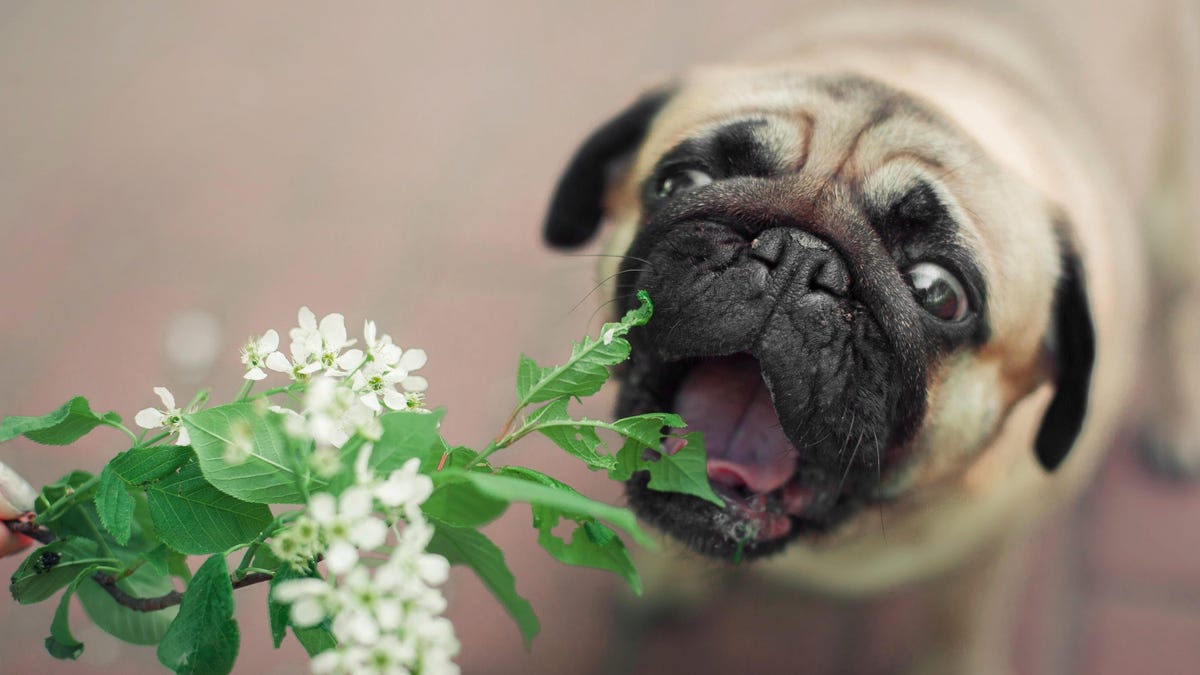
(69, 500)
(120, 427)
(247, 385)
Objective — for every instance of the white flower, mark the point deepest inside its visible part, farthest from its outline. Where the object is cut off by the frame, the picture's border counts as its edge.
(170, 417)
(318, 346)
(335, 414)
(405, 486)
(410, 360)
(347, 525)
(312, 599)
(256, 353)
(376, 382)
(383, 351)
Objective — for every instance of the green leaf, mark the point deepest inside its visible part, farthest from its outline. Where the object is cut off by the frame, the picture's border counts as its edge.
(145, 582)
(204, 637)
(64, 426)
(145, 465)
(61, 644)
(581, 437)
(277, 612)
(587, 370)
(515, 489)
(465, 546)
(685, 471)
(315, 639)
(78, 485)
(591, 545)
(406, 435)
(53, 566)
(115, 506)
(139, 628)
(192, 516)
(267, 475)
(462, 504)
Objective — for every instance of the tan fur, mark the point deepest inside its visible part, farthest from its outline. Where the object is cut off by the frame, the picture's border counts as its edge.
(1016, 149)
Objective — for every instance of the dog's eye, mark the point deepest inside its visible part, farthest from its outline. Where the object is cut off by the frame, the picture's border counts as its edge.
(679, 180)
(937, 291)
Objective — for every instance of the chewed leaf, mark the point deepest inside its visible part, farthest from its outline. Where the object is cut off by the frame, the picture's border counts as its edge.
(587, 369)
(64, 426)
(591, 545)
(685, 471)
(581, 438)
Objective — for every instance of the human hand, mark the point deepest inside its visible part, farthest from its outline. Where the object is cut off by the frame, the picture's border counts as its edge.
(16, 498)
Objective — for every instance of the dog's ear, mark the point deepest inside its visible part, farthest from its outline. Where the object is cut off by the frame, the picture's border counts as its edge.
(577, 205)
(1071, 345)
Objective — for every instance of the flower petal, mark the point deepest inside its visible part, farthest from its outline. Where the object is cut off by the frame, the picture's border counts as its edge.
(394, 400)
(413, 359)
(371, 401)
(350, 360)
(184, 438)
(333, 330)
(256, 373)
(307, 612)
(292, 590)
(168, 399)
(341, 557)
(269, 342)
(355, 503)
(278, 362)
(415, 383)
(369, 534)
(308, 320)
(149, 418)
(322, 507)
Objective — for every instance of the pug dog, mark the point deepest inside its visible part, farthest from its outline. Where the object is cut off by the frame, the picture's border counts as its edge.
(901, 288)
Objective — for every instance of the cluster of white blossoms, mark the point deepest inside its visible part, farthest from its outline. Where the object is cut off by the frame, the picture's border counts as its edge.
(348, 388)
(386, 617)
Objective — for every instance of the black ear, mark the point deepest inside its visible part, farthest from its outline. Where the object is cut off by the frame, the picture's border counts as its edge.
(577, 205)
(1072, 351)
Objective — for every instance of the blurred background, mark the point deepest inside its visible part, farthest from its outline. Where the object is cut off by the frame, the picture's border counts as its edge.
(177, 177)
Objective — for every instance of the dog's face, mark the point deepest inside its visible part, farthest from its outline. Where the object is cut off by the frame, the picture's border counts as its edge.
(849, 298)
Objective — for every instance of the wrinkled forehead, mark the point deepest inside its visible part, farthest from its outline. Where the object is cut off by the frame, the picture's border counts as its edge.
(842, 126)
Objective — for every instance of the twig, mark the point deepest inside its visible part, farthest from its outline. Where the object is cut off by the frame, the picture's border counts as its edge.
(25, 525)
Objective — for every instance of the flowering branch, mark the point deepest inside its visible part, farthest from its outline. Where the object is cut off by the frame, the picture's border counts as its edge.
(386, 505)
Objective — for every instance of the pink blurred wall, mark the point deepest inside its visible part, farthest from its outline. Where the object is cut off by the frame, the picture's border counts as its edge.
(183, 176)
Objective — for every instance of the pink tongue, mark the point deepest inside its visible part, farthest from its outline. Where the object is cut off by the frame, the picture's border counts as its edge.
(727, 400)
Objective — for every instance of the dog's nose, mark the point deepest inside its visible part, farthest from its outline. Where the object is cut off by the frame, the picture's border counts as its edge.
(818, 266)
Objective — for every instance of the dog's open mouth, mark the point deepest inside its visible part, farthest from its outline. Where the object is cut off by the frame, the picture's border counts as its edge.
(751, 462)
(769, 496)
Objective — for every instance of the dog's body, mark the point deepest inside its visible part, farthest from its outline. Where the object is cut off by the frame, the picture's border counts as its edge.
(854, 150)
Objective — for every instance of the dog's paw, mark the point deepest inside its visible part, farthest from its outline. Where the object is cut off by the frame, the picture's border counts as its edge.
(1172, 455)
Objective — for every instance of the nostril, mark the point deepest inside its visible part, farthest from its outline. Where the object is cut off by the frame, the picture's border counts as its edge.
(768, 246)
(830, 275)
